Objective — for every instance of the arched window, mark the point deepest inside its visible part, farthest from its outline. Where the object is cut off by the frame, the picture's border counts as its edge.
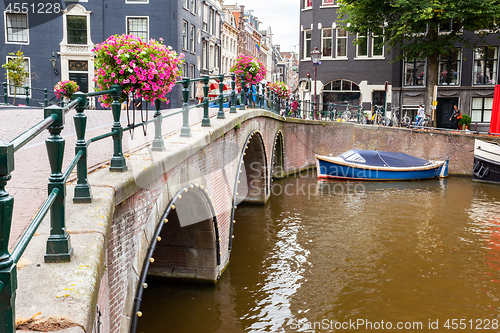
(341, 91)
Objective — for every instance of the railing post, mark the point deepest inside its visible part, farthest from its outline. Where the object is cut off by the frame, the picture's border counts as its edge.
(27, 90)
(273, 102)
(185, 130)
(158, 144)
(250, 97)
(118, 162)
(46, 97)
(5, 93)
(232, 109)
(220, 114)
(82, 189)
(298, 111)
(262, 95)
(58, 245)
(206, 117)
(257, 95)
(268, 91)
(242, 96)
(8, 270)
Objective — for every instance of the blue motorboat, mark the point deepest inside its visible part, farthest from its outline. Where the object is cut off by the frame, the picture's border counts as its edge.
(379, 165)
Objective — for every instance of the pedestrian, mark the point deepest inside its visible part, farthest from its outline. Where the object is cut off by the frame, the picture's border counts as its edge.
(295, 108)
(420, 115)
(456, 115)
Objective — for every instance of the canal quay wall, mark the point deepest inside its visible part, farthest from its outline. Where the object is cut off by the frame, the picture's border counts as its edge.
(112, 236)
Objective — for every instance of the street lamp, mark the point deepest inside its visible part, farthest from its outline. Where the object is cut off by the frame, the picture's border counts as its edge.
(315, 55)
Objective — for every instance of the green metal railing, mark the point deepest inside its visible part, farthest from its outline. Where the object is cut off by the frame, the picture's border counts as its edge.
(49, 96)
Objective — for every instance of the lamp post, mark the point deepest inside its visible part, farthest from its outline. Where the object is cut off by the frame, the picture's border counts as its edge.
(53, 61)
(315, 55)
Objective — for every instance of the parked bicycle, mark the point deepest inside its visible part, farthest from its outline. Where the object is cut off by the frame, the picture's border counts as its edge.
(405, 120)
(378, 118)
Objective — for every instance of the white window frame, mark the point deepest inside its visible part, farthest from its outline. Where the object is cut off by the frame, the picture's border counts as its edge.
(328, 5)
(185, 4)
(358, 56)
(373, 37)
(27, 29)
(305, 6)
(425, 74)
(137, 17)
(192, 38)
(23, 94)
(185, 36)
(474, 66)
(337, 40)
(482, 108)
(331, 43)
(305, 56)
(460, 62)
(136, 2)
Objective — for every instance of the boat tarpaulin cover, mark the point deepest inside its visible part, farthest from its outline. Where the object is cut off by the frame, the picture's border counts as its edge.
(382, 158)
(495, 112)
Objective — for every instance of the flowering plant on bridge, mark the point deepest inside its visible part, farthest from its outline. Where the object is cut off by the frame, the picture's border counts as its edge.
(65, 88)
(280, 89)
(148, 70)
(253, 69)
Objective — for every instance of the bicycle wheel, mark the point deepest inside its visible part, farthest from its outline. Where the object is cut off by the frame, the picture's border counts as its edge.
(361, 119)
(405, 122)
(378, 119)
(346, 116)
(394, 121)
(425, 122)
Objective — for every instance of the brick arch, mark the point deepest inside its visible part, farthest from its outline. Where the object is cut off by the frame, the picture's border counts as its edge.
(251, 183)
(185, 243)
(277, 159)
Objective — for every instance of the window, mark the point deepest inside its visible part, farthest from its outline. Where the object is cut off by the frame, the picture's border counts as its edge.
(341, 43)
(378, 43)
(136, 1)
(307, 4)
(184, 35)
(16, 28)
(485, 65)
(77, 29)
(192, 33)
(206, 11)
(193, 6)
(329, 2)
(185, 4)
(341, 91)
(20, 91)
(362, 46)
(307, 43)
(204, 55)
(414, 73)
(326, 42)
(449, 68)
(481, 109)
(211, 23)
(138, 26)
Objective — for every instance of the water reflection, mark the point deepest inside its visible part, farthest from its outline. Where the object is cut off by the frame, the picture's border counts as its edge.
(392, 251)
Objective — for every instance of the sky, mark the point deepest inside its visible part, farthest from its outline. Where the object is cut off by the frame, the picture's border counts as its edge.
(281, 15)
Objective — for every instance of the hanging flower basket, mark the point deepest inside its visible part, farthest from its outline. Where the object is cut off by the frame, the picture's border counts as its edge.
(65, 88)
(147, 70)
(280, 89)
(253, 69)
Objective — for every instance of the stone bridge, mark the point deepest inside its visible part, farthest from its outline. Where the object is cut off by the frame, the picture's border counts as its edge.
(171, 214)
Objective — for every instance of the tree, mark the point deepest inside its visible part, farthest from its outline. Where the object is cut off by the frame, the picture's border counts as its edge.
(16, 71)
(411, 27)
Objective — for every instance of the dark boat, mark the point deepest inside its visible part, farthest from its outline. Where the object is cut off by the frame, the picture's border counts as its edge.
(379, 165)
(486, 162)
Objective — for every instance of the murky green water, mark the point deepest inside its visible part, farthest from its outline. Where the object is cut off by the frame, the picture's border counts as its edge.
(351, 257)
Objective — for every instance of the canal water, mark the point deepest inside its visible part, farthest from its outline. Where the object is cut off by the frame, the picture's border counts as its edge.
(330, 256)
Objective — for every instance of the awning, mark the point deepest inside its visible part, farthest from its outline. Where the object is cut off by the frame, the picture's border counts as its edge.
(495, 116)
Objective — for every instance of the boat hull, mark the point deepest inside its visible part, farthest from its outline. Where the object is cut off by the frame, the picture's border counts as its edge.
(486, 162)
(330, 168)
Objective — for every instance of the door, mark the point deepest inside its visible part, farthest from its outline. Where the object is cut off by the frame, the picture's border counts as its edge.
(378, 99)
(444, 111)
(82, 79)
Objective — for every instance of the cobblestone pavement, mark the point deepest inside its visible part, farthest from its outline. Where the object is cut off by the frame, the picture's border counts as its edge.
(29, 180)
